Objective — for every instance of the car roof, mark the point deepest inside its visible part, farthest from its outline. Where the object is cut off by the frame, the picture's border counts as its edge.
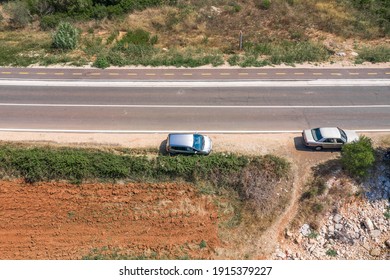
(181, 139)
(330, 132)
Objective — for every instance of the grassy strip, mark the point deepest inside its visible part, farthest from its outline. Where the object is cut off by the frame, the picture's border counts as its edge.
(375, 54)
(41, 164)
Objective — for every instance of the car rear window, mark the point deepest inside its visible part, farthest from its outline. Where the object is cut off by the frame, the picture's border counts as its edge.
(316, 134)
(198, 142)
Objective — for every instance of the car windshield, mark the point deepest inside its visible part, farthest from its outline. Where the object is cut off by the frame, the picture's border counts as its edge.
(198, 142)
(316, 134)
(343, 135)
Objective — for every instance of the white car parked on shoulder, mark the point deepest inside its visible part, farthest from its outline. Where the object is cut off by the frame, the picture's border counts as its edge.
(328, 137)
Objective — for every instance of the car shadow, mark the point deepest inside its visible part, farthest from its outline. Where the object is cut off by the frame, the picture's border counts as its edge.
(299, 146)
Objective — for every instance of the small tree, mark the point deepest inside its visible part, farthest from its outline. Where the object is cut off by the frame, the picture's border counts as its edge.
(358, 157)
(66, 37)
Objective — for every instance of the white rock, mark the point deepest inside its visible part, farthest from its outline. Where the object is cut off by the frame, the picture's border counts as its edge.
(338, 226)
(375, 233)
(354, 54)
(368, 224)
(337, 218)
(305, 230)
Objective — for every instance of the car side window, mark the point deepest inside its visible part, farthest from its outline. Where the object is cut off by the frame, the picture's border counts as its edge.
(329, 140)
(179, 148)
(340, 141)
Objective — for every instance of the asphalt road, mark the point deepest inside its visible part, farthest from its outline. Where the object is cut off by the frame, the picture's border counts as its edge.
(193, 73)
(224, 108)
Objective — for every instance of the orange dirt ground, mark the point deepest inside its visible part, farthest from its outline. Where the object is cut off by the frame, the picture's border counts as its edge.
(65, 221)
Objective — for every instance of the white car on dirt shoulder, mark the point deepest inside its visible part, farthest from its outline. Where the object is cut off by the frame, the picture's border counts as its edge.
(328, 137)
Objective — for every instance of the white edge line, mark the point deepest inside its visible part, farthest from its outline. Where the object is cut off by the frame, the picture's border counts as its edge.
(186, 84)
(167, 131)
(195, 106)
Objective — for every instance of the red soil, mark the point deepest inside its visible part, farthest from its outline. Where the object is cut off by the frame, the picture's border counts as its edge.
(65, 221)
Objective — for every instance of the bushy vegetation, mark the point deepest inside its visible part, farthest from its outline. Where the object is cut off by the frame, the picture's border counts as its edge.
(375, 54)
(66, 37)
(276, 53)
(189, 33)
(358, 157)
(44, 163)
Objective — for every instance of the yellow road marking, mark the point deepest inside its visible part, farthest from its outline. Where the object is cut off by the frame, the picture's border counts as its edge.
(5, 72)
(113, 74)
(187, 74)
(387, 73)
(299, 73)
(150, 74)
(206, 74)
(224, 74)
(58, 73)
(336, 74)
(243, 74)
(169, 74)
(24, 73)
(372, 73)
(41, 73)
(132, 74)
(280, 73)
(261, 73)
(94, 74)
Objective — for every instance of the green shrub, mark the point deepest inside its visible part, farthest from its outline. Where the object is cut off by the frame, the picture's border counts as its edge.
(51, 21)
(358, 157)
(136, 37)
(263, 4)
(66, 37)
(331, 253)
(101, 62)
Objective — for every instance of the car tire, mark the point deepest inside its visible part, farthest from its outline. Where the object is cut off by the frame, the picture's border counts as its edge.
(318, 148)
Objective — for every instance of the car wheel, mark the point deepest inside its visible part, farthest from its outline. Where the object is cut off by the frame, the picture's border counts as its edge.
(318, 148)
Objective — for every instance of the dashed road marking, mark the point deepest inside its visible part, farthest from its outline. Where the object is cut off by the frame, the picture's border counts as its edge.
(243, 74)
(132, 74)
(335, 74)
(206, 74)
(24, 73)
(299, 73)
(372, 73)
(94, 74)
(224, 74)
(150, 74)
(262, 73)
(169, 74)
(187, 74)
(41, 73)
(77, 74)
